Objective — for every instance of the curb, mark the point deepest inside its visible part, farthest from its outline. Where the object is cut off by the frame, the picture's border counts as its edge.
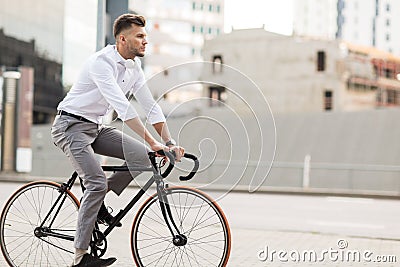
(23, 178)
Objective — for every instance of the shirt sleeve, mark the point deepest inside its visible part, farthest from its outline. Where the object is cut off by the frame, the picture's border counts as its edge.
(154, 114)
(101, 72)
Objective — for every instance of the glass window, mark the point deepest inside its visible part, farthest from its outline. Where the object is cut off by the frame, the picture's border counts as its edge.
(217, 96)
(391, 97)
(328, 100)
(217, 64)
(321, 60)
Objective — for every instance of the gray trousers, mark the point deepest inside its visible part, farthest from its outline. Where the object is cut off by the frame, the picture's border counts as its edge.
(80, 141)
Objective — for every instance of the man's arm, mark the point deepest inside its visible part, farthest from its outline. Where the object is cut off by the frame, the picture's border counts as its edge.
(163, 131)
(137, 126)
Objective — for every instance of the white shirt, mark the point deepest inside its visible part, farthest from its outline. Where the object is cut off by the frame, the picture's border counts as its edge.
(102, 85)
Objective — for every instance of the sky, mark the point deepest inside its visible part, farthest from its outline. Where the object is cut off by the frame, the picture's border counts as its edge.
(276, 15)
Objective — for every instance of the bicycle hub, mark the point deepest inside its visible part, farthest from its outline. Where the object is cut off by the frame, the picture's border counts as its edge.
(179, 240)
(40, 232)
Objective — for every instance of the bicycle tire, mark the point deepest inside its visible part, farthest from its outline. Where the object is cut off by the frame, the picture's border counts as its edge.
(23, 212)
(197, 216)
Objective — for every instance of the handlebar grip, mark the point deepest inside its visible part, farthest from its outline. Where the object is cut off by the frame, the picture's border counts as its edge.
(169, 154)
(171, 157)
(194, 170)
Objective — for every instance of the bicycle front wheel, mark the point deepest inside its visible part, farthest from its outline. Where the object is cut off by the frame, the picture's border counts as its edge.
(24, 212)
(197, 217)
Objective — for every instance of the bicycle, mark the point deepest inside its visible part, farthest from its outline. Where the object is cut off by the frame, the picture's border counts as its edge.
(176, 226)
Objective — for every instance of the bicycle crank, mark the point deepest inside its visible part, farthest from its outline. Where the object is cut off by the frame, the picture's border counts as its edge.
(98, 245)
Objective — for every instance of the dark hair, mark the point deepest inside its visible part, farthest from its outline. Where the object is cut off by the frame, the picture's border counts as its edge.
(125, 21)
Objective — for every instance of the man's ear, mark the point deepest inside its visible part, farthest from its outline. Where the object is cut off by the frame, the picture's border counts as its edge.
(121, 38)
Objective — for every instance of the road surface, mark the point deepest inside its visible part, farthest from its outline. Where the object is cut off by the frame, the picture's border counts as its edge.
(275, 229)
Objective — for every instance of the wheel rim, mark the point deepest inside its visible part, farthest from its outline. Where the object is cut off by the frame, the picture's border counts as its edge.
(200, 220)
(23, 213)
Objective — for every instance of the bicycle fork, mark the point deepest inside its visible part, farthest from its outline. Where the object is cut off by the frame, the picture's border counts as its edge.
(178, 239)
(45, 231)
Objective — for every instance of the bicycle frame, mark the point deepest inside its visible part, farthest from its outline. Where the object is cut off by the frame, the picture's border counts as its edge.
(157, 178)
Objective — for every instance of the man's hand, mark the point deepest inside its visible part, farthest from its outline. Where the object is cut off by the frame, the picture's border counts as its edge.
(179, 151)
(155, 146)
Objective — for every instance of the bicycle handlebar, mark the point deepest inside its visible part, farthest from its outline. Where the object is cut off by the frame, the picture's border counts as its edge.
(195, 167)
(171, 157)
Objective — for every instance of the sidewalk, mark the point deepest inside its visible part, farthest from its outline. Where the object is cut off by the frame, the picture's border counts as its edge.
(262, 248)
(266, 247)
(248, 244)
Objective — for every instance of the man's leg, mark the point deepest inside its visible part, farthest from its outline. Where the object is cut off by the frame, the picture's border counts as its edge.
(113, 143)
(95, 184)
(74, 138)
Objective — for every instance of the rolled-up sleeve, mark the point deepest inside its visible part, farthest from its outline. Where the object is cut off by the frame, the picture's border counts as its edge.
(101, 72)
(142, 93)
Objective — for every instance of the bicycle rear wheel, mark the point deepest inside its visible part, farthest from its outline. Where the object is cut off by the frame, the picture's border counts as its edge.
(24, 212)
(197, 217)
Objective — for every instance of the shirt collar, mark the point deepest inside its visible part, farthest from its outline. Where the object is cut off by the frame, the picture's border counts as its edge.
(117, 55)
(127, 63)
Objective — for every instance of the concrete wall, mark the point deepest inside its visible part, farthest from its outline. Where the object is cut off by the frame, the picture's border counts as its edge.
(355, 151)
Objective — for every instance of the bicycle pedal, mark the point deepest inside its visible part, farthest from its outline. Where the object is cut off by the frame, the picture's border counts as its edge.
(107, 221)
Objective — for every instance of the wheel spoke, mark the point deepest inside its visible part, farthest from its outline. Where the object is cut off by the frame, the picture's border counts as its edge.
(25, 211)
(197, 218)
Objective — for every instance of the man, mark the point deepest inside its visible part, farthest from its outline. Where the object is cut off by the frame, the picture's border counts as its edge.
(105, 80)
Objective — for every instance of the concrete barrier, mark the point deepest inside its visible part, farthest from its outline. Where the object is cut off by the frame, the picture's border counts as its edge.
(349, 152)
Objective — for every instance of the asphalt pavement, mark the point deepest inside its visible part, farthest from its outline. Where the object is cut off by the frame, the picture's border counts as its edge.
(287, 230)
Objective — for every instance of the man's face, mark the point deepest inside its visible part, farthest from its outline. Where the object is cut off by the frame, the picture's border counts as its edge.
(135, 41)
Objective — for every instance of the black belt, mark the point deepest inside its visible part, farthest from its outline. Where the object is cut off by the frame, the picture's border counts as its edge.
(62, 112)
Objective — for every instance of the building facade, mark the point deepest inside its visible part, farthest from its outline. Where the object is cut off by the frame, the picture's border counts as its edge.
(79, 36)
(55, 39)
(42, 21)
(48, 89)
(177, 30)
(362, 22)
(32, 34)
(302, 74)
(315, 18)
